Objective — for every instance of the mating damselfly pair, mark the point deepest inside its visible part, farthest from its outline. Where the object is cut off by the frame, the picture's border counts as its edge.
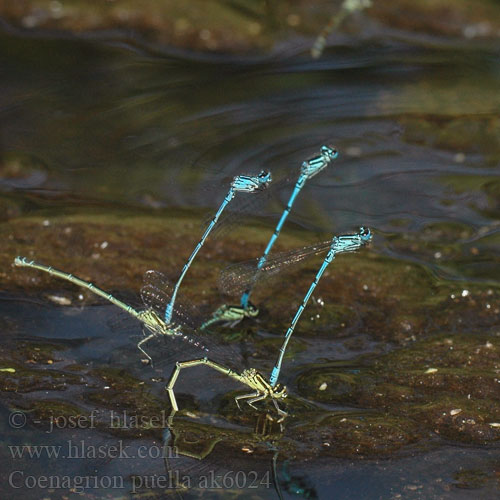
(160, 319)
(248, 184)
(153, 317)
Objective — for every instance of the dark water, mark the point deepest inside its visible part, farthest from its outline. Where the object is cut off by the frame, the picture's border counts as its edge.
(112, 124)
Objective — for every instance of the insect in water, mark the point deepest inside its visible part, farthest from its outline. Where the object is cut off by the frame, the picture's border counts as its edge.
(233, 314)
(347, 8)
(151, 319)
(156, 297)
(270, 388)
(240, 184)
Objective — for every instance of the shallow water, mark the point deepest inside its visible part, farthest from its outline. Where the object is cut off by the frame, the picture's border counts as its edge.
(111, 140)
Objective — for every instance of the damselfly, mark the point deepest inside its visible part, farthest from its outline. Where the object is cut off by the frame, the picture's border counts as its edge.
(152, 316)
(310, 168)
(270, 388)
(156, 300)
(237, 278)
(240, 184)
(347, 8)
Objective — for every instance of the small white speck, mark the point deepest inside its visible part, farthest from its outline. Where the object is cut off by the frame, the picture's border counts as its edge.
(465, 293)
(323, 386)
(365, 287)
(205, 34)
(104, 245)
(56, 8)
(293, 20)
(58, 299)
(431, 370)
(107, 387)
(470, 31)
(488, 306)
(456, 411)
(46, 223)
(452, 295)
(438, 255)
(80, 297)
(459, 158)
(488, 345)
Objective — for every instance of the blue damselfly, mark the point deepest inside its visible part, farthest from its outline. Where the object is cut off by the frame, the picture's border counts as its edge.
(270, 388)
(240, 184)
(309, 168)
(156, 297)
(237, 278)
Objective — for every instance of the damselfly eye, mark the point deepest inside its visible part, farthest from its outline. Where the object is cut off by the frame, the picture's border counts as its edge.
(263, 174)
(330, 151)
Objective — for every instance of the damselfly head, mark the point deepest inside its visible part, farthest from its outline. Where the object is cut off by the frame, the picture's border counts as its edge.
(22, 261)
(315, 165)
(280, 391)
(365, 234)
(251, 310)
(329, 152)
(265, 177)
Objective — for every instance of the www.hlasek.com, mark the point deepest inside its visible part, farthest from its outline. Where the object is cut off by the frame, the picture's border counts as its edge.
(82, 450)
(18, 479)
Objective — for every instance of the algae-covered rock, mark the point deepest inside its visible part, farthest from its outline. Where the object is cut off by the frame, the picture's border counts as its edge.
(242, 26)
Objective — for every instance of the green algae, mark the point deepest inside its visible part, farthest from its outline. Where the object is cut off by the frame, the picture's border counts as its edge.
(447, 385)
(26, 380)
(31, 362)
(61, 413)
(471, 479)
(362, 435)
(106, 245)
(416, 385)
(124, 391)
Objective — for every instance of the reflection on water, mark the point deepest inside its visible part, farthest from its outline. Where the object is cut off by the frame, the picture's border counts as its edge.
(393, 374)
